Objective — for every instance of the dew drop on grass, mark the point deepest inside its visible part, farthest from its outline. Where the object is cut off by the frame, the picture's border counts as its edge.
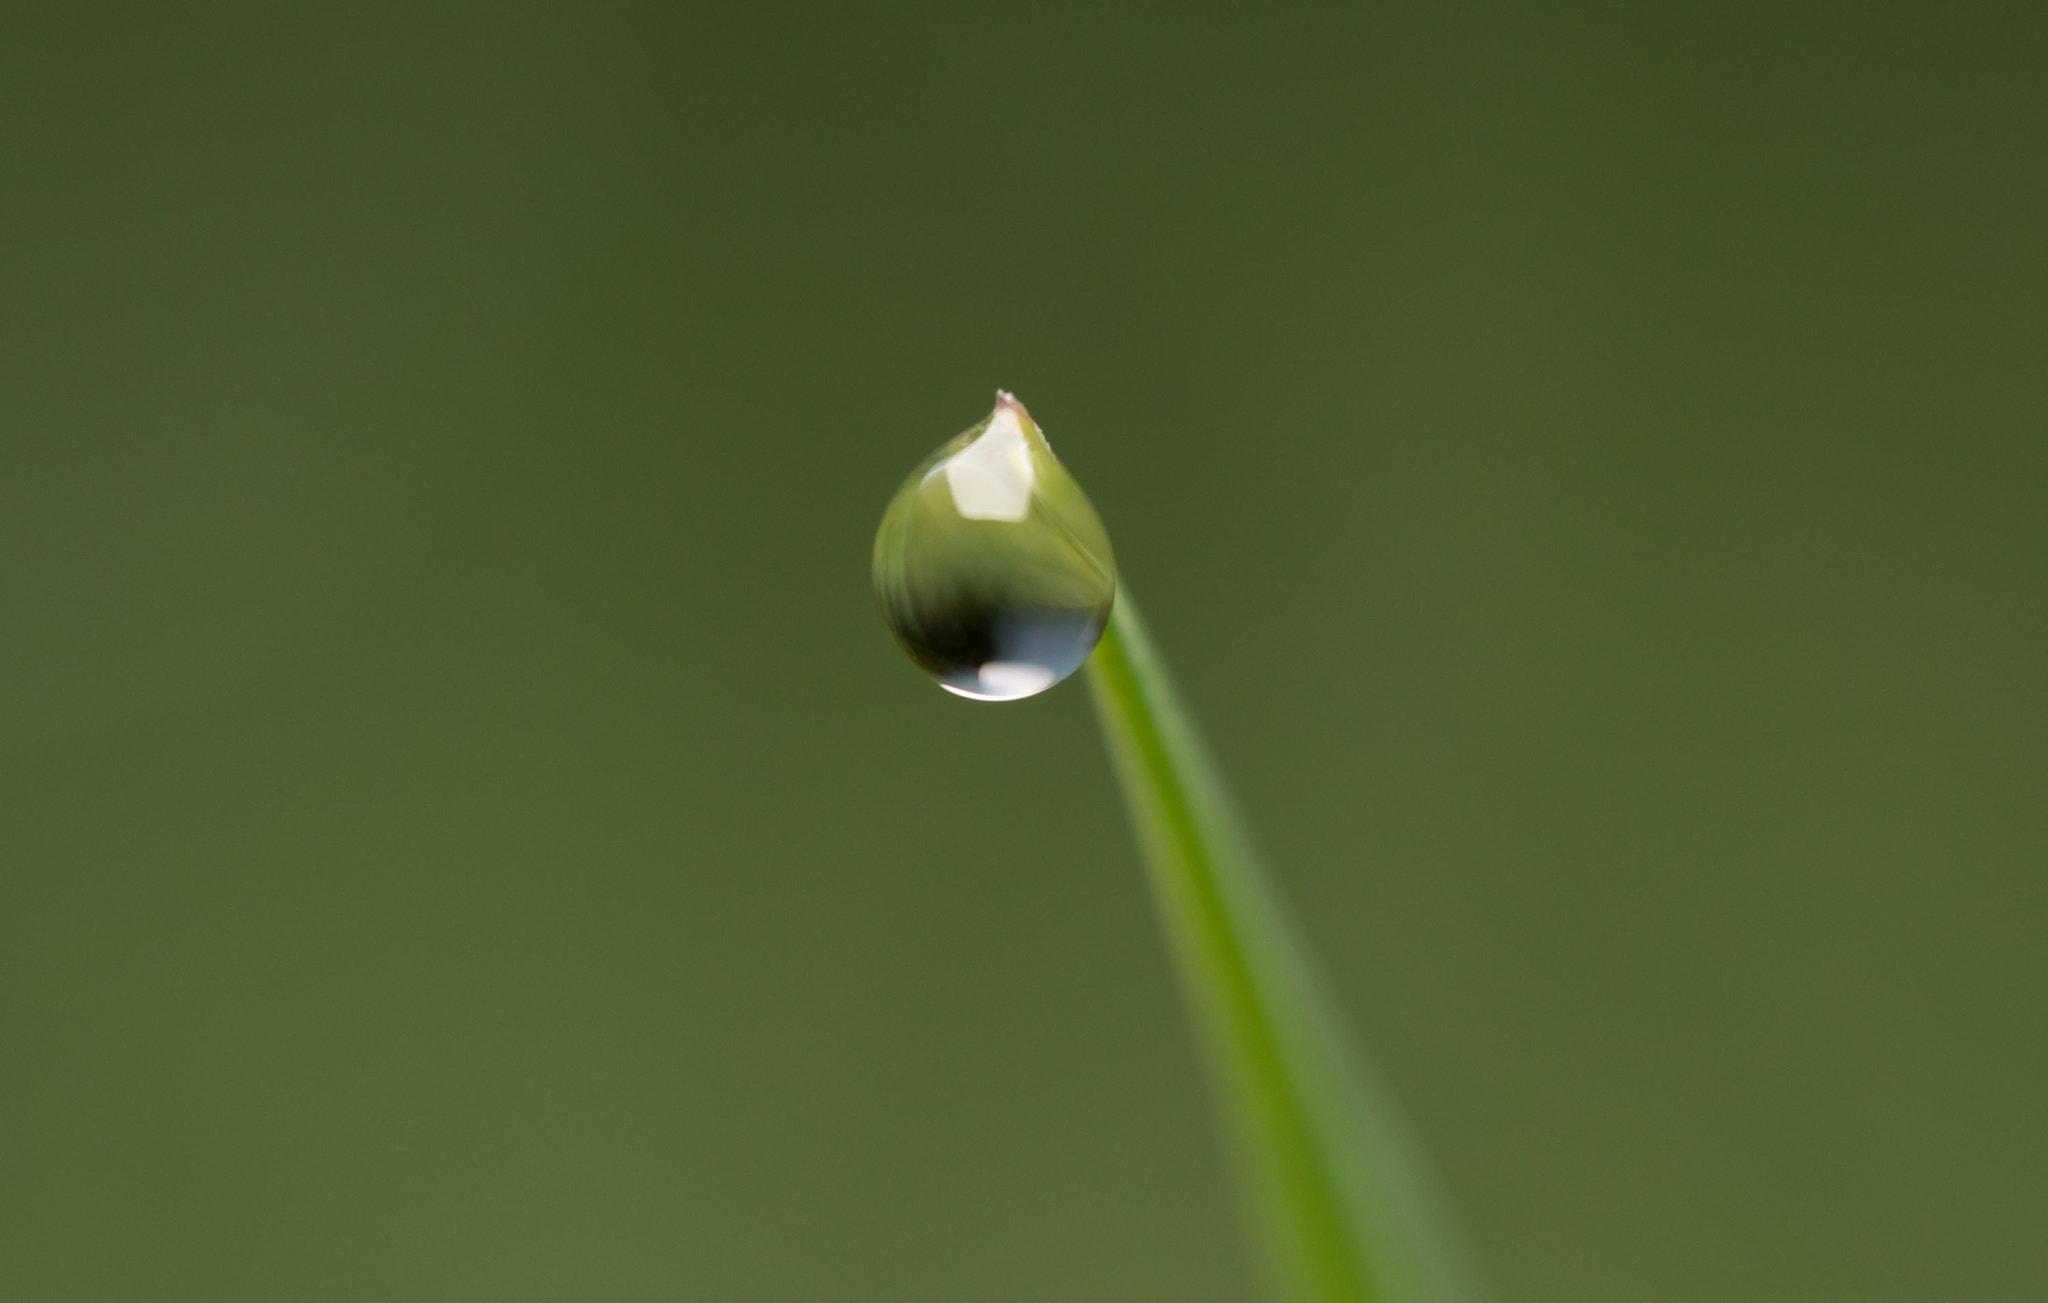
(993, 570)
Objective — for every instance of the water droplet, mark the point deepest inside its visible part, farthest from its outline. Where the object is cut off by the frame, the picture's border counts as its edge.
(993, 569)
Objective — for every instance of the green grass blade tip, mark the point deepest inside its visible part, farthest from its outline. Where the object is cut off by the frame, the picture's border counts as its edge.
(1337, 1201)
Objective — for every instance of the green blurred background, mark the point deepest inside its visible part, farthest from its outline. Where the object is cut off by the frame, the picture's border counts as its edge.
(465, 834)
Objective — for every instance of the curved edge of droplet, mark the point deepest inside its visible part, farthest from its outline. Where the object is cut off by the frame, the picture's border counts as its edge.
(1006, 681)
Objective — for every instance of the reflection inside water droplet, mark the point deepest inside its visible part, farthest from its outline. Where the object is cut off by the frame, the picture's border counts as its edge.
(1006, 681)
(993, 570)
(991, 478)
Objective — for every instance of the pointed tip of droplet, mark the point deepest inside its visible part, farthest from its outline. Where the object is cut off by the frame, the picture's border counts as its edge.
(1007, 404)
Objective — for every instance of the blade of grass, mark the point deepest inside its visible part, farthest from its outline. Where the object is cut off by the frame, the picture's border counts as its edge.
(1336, 1199)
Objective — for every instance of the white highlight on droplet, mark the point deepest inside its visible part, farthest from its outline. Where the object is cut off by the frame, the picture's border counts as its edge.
(991, 478)
(1006, 681)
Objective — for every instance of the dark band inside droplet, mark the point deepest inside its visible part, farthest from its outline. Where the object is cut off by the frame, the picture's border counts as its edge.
(954, 645)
